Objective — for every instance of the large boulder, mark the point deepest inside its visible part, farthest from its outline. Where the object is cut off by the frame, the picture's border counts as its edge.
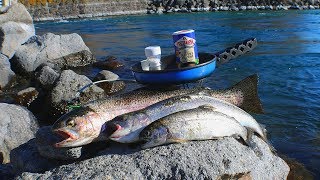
(214, 159)
(16, 27)
(17, 126)
(66, 50)
(66, 89)
(6, 74)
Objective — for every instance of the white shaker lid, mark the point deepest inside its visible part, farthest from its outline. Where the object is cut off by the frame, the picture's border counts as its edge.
(152, 51)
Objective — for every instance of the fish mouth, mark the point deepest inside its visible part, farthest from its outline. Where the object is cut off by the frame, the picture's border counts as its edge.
(66, 136)
(112, 130)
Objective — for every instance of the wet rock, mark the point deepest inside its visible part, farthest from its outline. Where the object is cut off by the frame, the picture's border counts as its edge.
(112, 86)
(47, 77)
(26, 96)
(16, 27)
(214, 159)
(17, 126)
(110, 63)
(45, 140)
(6, 74)
(51, 48)
(66, 89)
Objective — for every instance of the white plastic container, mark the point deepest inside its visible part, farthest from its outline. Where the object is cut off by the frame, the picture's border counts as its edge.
(153, 54)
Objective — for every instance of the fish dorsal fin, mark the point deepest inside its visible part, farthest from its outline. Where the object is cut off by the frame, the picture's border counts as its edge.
(207, 106)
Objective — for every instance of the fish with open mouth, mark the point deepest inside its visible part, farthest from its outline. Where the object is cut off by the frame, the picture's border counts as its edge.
(202, 123)
(86, 124)
(128, 126)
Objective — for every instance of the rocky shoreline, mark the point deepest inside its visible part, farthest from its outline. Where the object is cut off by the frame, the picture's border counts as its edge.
(53, 10)
(37, 86)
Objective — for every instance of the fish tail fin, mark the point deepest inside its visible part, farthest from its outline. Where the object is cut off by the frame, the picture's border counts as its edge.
(247, 89)
(250, 143)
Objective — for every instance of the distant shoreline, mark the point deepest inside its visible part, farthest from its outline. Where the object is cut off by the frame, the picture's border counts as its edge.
(56, 12)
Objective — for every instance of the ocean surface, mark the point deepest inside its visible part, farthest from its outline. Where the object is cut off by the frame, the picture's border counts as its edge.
(287, 61)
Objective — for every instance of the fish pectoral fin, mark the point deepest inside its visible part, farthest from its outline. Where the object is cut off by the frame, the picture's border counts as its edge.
(207, 106)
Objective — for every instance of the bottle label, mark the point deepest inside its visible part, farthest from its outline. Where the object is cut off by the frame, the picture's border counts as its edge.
(185, 47)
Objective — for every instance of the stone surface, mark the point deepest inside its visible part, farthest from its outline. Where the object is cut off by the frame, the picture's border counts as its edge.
(112, 86)
(47, 77)
(16, 27)
(45, 140)
(50, 48)
(81, 58)
(66, 89)
(17, 126)
(108, 64)
(215, 159)
(6, 74)
(27, 96)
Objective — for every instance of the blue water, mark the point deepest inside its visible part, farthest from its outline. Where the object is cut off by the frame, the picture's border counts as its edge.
(287, 61)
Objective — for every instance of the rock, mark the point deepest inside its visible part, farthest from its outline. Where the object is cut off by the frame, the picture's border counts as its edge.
(6, 74)
(269, 7)
(16, 27)
(47, 77)
(27, 158)
(56, 49)
(76, 59)
(213, 159)
(38, 156)
(243, 8)
(110, 63)
(223, 8)
(16, 13)
(17, 126)
(26, 96)
(311, 7)
(66, 89)
(109, 87)
(45, 139)
(234, 8)
(6, 171)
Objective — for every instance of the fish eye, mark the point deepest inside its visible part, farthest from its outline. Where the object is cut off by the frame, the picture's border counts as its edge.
(71, 123)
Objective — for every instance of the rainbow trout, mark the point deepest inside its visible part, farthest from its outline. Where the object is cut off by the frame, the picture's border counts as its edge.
(201, 123)
(85, 124)
(127, 127)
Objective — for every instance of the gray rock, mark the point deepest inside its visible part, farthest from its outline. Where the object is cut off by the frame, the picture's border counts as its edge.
(26, 158)
(16, 27)
(243, 8)
(17, 126)
(108, 75)
(81, 58)
(51, 48)
(6, 74)
(16, 13)
(45, 139)
(112, 86)
(311, 7)
(223, 8)
(47, 77)
(13, 34)
(66, 89)
(215, 159)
